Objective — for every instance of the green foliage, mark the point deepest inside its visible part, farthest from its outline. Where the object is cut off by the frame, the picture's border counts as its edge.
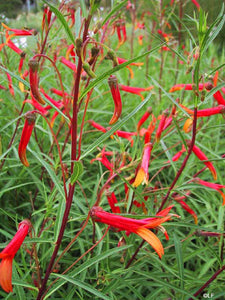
(89, 264)
(10, 8)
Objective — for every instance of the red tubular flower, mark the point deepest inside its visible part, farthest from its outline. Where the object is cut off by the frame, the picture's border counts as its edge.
(97, 126)
(139, 227)
(111, 197)
(122, 60)
(144, 118)
(58, 104)
(113, 84)
(22, 57)
(202, 156)
(59, 93)
(178, 154)
(104, 160)
(36, 105)
(33, 77)
(142, 174)
(11, 90)
(17, 32)
(211, 185)
(186, 207)
(140, 39)
(161, 125)
(46, 18)
(12, 46)
(25, 136)
(219, 98)
(196, 4)
(68, 63)
(187, 87)
(135, 90)
(126, 135)
(207, 111)
(8, 254)
(70, 51)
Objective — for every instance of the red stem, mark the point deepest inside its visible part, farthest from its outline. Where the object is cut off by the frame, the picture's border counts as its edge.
(73, 157)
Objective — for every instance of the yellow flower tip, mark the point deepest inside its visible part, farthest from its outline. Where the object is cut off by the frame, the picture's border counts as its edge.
(187, 125)
(152, 239)
(21, 87)
(140, 177)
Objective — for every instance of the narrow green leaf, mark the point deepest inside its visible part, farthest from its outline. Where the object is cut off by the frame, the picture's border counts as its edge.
(113, 11)
(167, 152)
(83, 9)
(179, 257)
(168, 95)
(115, 69)
(77, 171)
(15, 76)
(59, 217)
(78, 20)
(103, 137)
(90, 262)
(50, 172)
(83, 285)
(62, 20)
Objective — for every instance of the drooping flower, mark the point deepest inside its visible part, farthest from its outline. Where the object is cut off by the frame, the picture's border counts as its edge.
(114, 87)
(144, 118)
(130, 225)
(207, 111)
(68, 63)
(33, 78)
(211, 185)
(161, 125)
(195, 2)
(137, 64)
(142, 173)
(7, 255)
(112, 200)
(17, 32)
(198, 152)
(186, 207)
(135, 90)
(25, 136)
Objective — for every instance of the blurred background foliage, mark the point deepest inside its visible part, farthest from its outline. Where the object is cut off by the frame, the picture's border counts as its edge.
(21, 9)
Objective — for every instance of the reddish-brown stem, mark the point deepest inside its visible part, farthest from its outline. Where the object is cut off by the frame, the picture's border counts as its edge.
(85, 253)
(162, 56)
(135, 254)
(73, 158)
(184, 161)
(179, 37)
(208, 282)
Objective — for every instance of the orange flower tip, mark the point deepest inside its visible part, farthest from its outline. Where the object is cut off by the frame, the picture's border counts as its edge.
(113, 120)
(187, 125)
(195, 219)
(24, 160)
(151, 239)
(175, 88)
